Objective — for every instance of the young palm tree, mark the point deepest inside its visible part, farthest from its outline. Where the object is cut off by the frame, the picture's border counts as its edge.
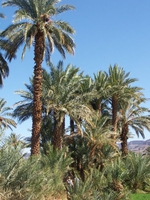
(116, 173)
(16, 141)
(5, 111)
(36, 27)
(19, 178)
(138, 172)
(102, 146)
(133, 116)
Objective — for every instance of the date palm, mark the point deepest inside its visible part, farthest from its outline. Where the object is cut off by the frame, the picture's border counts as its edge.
(60, 97)
(102, 146)
(4, 112)
(33, 25)
(138, 172)
(101, 85)
(120, 90)
(24, 110)
(63, 97)
(132, 115)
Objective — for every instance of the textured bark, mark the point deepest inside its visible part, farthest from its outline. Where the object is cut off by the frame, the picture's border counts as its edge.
(124, 139)
(37, 104)
(58, 133)
(57, 138)
(114, 112)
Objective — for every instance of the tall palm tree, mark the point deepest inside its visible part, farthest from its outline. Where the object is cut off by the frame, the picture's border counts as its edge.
(132, 115)
(5, 111)
(36, 27)
(24, 110)
(4, 69)
(120, 90)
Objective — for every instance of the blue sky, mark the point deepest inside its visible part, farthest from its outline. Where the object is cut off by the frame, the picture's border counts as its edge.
(108, 32)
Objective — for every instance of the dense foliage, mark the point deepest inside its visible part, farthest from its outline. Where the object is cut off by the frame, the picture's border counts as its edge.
(54, 176)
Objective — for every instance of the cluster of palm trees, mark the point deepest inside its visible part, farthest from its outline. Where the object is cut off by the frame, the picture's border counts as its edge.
(73, 105)
(66, 92)
(74, 116)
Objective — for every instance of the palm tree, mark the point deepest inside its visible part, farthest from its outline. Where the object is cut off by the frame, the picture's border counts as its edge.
(132, 115)
(36, 27)
(60, 97)
(16, 141)
(5, 111)
(101, 85)
(64, 98)
(138, 172)
(102, 146)
(4, 69)
(24, 110)
(120, 90)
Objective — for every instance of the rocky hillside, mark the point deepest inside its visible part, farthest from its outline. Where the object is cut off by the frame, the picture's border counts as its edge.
(138, 146)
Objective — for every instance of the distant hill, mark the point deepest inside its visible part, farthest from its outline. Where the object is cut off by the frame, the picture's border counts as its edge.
(138, 146)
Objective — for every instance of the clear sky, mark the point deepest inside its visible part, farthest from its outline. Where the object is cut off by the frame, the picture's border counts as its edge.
(108, 32)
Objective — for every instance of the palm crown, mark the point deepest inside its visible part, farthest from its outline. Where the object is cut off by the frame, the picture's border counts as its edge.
(34, 15)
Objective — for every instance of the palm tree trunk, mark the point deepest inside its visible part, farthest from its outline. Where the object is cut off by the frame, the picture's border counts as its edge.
(37, 104)
(57, 138)
(114, 112)
(58, 134)
(124, 138)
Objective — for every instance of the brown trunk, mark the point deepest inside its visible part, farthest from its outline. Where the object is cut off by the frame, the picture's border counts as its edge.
(114, 115)
(114, 112)
(37, 104)
(57, 139)
(124, 139)
(58, 134)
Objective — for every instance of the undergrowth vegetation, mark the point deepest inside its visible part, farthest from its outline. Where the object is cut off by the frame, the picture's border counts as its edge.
(47, 176)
